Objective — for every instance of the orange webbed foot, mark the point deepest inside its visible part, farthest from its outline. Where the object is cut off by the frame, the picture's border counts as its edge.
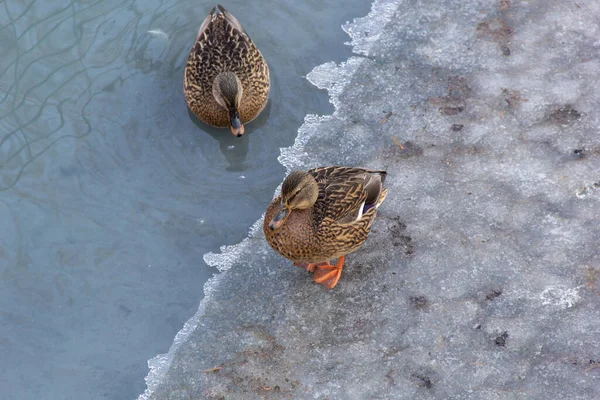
(309, 267)
(328, 275)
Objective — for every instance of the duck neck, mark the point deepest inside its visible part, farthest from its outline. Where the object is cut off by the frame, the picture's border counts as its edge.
(227, 90)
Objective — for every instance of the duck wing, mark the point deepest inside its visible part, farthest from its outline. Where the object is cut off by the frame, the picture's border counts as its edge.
(346, 192)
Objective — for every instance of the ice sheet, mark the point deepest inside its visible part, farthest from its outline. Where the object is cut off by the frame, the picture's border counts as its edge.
(480, 278)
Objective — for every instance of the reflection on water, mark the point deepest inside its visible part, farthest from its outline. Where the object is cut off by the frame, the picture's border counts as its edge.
(111, 192)
(234, 149)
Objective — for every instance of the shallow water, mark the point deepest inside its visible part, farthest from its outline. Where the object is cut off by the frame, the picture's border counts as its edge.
(111, 192)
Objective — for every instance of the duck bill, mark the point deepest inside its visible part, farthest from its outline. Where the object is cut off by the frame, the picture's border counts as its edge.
(236, 126)
(282, 214)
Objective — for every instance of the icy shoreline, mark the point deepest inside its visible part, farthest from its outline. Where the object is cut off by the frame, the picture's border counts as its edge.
(480, 278)
(378, 16)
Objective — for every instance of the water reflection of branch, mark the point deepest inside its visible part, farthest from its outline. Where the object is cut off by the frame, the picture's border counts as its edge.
(17, 236)
(20, 172)
(38, 60)
(21, 103)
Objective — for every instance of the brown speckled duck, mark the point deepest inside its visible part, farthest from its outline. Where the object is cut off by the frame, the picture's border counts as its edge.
(323, 214)
(226, 81)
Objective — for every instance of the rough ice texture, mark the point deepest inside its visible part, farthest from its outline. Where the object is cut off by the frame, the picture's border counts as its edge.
(481, 278)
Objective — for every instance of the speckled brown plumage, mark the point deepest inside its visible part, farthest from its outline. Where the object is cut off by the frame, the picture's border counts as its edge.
(223, 45)
(329, 228)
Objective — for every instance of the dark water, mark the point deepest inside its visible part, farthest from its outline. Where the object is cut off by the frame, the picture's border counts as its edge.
(110, 192)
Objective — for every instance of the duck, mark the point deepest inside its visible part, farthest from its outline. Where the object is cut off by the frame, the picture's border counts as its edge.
(226, 78)
(322, 214)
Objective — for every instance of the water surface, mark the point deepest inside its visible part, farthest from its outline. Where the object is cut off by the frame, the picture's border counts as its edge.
(111, 192)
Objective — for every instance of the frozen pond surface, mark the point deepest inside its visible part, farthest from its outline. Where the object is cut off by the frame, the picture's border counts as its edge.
(481, 279)
(111, 193)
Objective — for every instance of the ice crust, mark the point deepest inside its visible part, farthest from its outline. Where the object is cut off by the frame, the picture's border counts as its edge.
(481, 276)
